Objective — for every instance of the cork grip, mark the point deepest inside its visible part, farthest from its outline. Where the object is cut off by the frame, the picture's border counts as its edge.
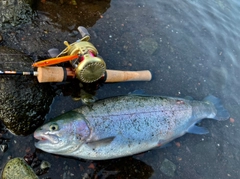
(59, 74)
(50, 74)
(121, 76)
(54, 74)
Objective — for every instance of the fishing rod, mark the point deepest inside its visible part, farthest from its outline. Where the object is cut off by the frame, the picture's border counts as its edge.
(86, 65)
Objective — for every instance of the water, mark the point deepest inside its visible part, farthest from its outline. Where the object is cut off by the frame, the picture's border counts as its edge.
(192, 49)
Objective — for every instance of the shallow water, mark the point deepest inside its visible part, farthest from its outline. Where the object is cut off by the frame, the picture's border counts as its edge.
(192, 49)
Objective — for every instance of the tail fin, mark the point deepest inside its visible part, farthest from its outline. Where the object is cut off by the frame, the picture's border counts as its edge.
(222, 113)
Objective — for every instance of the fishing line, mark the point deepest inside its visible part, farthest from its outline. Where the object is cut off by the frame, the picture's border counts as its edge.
(18, 62)
(33, 73)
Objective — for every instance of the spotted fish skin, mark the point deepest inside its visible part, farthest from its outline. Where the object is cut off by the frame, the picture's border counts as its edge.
(125, 125)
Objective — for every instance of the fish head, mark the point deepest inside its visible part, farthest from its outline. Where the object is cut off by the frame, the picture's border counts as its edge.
(63, 134)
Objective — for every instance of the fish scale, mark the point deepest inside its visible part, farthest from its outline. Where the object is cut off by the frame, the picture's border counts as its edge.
(125, 125)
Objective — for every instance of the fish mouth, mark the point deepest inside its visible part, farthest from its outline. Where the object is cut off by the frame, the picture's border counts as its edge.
(45, 138)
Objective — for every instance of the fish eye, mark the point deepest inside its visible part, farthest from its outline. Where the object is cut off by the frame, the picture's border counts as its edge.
(53, 127)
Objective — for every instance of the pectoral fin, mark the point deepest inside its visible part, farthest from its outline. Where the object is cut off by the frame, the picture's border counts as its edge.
(188, 98)
(100, 142)
(137, 93)
(197, 130)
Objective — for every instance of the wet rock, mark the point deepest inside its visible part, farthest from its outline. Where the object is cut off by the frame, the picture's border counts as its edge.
(168, 168)
(17, 168)
(148, 45)
(14, 12)
(24, 101)
(85, 12)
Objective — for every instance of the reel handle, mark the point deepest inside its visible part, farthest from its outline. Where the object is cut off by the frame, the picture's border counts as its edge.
(59, 74)
(84, 33)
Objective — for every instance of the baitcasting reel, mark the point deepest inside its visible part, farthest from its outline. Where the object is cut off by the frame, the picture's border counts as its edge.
(88, 65)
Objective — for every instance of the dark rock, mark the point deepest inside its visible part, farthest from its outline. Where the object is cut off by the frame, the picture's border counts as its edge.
(15, 12)
(24, 101)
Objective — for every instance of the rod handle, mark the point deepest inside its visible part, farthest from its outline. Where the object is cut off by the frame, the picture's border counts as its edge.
(54, 74)
(59, 74)
(121, 76)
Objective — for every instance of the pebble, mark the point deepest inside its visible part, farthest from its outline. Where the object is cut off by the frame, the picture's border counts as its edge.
(45, 165)
(86, 176)
(148, 45)
(231, 120)
(3, 147)
(74, 33)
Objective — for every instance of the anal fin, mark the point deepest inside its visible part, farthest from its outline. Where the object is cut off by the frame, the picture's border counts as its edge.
(197, 130)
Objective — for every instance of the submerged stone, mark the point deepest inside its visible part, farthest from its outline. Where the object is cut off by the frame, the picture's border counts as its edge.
(148, 45)
(17, 168)
(24, 101)
(168, 168)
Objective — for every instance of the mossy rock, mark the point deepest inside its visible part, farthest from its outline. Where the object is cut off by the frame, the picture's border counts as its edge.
(17, 168)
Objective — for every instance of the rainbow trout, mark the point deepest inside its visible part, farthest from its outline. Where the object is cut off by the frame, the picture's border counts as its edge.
(125, 125)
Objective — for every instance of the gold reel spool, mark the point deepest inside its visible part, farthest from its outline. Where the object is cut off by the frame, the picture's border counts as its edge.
(92, 67)
(91, 70)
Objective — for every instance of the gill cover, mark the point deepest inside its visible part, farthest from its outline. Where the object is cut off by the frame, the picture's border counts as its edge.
(66, 132)
(71, 123)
